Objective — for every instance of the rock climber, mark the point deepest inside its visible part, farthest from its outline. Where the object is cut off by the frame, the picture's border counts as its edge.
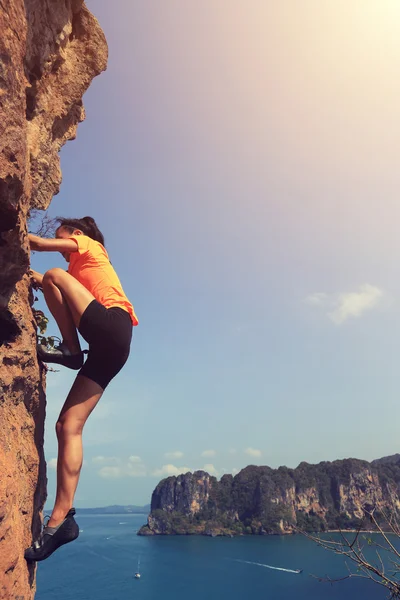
(88, 298)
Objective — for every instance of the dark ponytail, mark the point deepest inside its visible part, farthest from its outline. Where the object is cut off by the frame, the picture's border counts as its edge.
(87, 225)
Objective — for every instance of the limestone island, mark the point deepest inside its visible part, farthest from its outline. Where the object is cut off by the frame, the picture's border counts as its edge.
(264, 501)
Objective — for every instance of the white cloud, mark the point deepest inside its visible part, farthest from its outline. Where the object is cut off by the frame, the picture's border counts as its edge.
(123, 471)
(316, 299)
(253, 452)
(232, 451)
(104, 460)
(133, 467)
(135, 470)
(210, 469)
(208, 453)
(174, 455)
(235, 471)
(110, 472)
(135, 459)
(170, 470)
(345, 305)
(354, 304)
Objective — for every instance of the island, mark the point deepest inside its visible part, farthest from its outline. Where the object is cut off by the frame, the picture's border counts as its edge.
(264, 501)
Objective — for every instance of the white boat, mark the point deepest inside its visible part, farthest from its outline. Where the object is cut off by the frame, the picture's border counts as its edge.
(137, 574)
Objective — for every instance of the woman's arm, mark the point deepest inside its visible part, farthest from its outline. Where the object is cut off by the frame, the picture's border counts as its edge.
(51, 245)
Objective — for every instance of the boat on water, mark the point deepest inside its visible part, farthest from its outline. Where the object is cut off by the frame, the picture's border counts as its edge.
(137, 574)
(298, 570)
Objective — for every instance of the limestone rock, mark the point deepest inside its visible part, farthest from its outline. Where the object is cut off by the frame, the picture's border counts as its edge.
(185, 493)
(263, 501)
(49, 53)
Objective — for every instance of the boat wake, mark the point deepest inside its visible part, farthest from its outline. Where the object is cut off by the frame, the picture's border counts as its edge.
(100, 556)
(248, 562)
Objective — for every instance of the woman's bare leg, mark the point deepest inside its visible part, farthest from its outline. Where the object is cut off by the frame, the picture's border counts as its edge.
(80, 402)
(67, 300)
(60, 311)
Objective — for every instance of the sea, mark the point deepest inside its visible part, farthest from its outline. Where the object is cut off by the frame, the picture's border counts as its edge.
(101, 563)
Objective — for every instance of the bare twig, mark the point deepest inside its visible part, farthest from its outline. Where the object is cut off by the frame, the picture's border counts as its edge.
(353, 551)
(41, 224)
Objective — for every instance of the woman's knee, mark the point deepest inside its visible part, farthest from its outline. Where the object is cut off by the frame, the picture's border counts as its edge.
(66, 427)
(53, 275)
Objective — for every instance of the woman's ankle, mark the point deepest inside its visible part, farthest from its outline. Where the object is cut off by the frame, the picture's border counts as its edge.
(71, 347)
(57, 516)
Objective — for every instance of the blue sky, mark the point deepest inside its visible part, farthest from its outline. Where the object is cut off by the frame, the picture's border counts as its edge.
(242, 165)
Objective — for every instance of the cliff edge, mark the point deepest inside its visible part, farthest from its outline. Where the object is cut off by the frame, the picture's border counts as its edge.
(49, 53)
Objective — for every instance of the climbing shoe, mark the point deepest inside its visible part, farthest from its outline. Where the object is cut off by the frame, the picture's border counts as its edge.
(60, 355)
(52, 538)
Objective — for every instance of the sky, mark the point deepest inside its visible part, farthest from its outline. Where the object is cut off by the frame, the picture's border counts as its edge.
(241, 160)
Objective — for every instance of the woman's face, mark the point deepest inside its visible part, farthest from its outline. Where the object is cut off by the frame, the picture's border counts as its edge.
(63, 233)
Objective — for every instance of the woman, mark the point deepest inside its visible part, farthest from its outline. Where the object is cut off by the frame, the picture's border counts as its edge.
(88, 298)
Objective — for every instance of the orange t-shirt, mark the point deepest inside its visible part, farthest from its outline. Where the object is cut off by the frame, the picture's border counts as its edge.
(91, 266)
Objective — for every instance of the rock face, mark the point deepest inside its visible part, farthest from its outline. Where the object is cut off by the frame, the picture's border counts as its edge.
(49, 53)
(260, 500)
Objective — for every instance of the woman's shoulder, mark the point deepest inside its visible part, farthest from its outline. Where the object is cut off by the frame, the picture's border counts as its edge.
(96, 249)
(88, 244)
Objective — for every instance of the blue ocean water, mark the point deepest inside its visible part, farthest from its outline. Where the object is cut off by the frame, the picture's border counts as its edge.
(101, 563)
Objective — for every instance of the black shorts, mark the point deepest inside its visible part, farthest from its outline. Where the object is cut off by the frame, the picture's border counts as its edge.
(108, 332)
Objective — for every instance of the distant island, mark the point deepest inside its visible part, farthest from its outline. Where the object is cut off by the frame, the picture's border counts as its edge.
(264, 501)
(115, 509)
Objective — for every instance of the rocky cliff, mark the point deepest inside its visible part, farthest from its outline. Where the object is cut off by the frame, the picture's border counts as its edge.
(260, 500)
(49, 53)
